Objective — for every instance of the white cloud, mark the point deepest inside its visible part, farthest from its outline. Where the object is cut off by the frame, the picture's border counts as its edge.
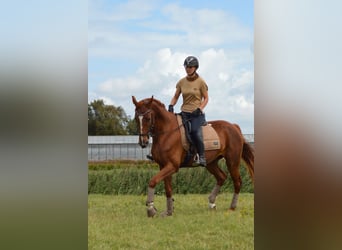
(242, 79)
(177, 27)
(158, 44)
(228, 94)
(243, 104)
(130, 10)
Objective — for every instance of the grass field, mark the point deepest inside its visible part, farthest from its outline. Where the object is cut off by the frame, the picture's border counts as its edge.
(120, 222)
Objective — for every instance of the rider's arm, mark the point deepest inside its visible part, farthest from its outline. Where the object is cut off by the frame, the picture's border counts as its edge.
(204, 101)
(175, 97)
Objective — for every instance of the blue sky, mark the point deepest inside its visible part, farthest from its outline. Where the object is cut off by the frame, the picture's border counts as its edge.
(138, 47)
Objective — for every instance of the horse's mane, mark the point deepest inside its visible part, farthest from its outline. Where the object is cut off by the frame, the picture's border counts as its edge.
(155, 101)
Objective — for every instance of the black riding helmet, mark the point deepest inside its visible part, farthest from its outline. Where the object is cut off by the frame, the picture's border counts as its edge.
(191, 61)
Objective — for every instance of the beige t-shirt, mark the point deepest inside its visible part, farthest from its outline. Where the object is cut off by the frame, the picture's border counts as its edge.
(192, 93)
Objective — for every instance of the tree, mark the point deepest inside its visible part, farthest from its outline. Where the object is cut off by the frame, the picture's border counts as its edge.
(132, 127)
(107, 119)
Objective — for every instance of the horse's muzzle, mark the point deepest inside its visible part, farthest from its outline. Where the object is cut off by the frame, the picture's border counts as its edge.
(143, 141)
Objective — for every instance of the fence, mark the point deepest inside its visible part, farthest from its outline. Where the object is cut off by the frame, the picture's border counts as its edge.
(103, 148)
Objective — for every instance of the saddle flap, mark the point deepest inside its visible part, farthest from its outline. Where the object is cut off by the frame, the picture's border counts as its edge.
(210, 138)
(185, 142)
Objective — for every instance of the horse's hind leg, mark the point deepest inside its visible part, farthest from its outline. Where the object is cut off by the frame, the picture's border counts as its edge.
(234, 170)
(220, 179)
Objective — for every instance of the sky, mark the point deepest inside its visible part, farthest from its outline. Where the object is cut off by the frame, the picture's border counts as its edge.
(137, 48)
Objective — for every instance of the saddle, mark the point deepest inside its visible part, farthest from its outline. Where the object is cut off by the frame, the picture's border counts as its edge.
(210, 138)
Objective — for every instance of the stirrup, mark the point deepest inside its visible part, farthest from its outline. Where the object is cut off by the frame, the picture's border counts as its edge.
(200, 161)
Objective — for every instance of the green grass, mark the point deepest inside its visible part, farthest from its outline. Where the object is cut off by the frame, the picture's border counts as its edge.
(120, 222)
(132, 178)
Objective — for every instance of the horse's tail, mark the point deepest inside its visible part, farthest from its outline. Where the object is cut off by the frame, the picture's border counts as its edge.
(248, 157)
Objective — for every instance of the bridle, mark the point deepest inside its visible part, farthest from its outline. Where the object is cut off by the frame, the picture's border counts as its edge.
(151, 132)
(151, 125)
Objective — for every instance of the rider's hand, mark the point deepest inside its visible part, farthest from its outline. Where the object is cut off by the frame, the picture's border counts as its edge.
(197, 112)
(170, 108)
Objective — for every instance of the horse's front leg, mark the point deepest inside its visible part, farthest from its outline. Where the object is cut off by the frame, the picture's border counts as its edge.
(169, 199)
(151, 209)
(168, 170)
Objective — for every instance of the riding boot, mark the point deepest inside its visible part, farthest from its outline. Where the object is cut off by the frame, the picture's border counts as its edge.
(202, 160)
(198, 139)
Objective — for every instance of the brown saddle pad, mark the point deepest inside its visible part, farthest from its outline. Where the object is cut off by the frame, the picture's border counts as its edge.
(210, 138)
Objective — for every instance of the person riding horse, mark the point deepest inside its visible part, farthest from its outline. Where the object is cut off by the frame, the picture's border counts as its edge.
(154, 120)
(194, 91)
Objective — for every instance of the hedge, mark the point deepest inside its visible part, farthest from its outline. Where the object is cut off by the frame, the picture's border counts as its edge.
(133, 178)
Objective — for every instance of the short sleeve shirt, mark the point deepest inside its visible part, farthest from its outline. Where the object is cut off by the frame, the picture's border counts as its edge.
(192, 93)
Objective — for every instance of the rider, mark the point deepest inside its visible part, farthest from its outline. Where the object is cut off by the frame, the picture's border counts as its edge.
(194, 91)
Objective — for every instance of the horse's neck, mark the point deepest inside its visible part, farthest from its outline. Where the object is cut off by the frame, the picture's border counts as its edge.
(164, 120)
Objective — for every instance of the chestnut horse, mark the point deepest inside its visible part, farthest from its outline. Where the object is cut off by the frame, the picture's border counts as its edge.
(154, 120)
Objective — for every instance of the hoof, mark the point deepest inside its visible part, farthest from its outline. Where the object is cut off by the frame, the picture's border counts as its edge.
(151, 211)
(212, 206)
(232, 208)
(165, 214)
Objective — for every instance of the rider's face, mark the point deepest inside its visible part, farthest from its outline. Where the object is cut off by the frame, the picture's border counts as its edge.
(190, 70)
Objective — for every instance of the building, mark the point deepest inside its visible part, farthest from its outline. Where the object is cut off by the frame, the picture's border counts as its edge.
(103, 148)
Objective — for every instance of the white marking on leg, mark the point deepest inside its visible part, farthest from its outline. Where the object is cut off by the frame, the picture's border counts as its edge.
(214, 193)
(212, 205)
(234, 200)
(150, 196)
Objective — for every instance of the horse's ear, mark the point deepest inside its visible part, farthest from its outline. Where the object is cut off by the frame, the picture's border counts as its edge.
(150, 102)
(134, 100)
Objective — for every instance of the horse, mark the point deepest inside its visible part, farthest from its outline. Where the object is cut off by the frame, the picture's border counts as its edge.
(153, 120)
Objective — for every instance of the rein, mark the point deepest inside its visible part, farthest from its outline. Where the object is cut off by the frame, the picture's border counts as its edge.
(167, 131)
(151, 128)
